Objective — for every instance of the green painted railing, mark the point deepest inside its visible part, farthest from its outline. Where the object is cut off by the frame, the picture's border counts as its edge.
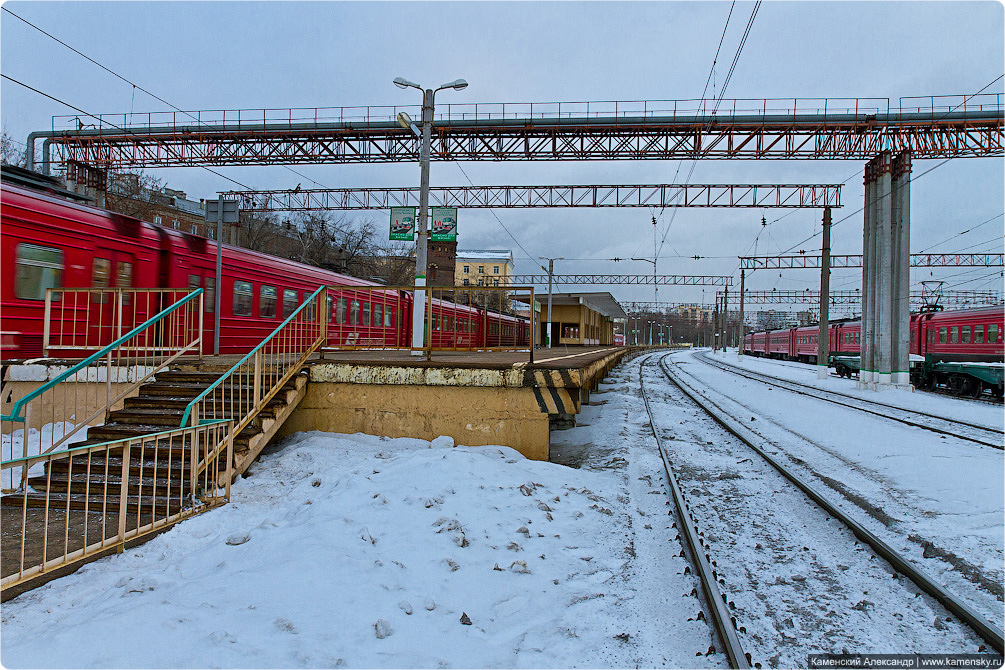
(15, 414)
(50, 415)
(249, 384)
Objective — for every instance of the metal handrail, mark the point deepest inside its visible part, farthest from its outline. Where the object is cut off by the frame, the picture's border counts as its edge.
(239, 424)
(19, 405)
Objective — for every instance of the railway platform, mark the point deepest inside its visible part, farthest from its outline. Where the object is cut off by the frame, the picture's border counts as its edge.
(476, 398)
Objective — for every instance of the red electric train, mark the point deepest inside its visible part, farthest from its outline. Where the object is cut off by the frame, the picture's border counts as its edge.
(49, 241)
(960, 349)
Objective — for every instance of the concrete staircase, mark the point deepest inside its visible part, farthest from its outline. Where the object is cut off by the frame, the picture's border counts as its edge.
(158, 407)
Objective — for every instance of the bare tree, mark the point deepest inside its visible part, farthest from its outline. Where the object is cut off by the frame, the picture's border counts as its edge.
(135, 195)
(261, 232)
(11, 151)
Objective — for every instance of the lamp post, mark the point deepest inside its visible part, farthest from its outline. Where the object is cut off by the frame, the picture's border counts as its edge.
(551, 267)
(428, 96)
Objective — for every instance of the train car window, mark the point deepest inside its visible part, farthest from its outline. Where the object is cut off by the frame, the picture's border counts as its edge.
(979, 334)
(378, 315)
(290, 301)
(966, 334)
(366, 314)
(242, 298)
(124, 279)
(954, 334)
(209, 297)
(329, 303)
(194, 281)
(267, 302)
(389, 317)
(354, 313)
(38, 268)
(942, 335)
(101, 272)
(993, 333)
(340, 311)
(309, 311)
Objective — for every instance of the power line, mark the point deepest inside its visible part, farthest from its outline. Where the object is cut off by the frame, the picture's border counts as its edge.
(85, 113)
(961, 233)
(131, 83)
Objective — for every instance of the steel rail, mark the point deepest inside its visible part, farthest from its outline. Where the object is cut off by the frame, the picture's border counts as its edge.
(821, 394)
(987, 630)
(720, 614)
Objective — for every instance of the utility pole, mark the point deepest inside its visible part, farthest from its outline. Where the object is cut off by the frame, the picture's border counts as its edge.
(743, 335)
(823, 333)
(551, 269)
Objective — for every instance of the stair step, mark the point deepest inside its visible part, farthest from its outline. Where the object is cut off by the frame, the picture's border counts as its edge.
(95, 483)
(93, 503)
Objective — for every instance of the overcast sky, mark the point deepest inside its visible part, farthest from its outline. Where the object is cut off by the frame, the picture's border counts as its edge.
(236, 55)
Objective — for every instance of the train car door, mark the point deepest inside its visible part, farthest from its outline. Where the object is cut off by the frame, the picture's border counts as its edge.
(105, 322)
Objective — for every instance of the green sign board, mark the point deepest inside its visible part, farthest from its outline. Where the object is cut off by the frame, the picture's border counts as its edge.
(444, 224)
(403, 223)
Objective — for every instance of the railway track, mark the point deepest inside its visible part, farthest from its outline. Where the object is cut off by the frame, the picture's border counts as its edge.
(726, 624)
(971, 432)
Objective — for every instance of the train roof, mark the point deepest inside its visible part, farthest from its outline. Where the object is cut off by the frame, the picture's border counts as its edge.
(14, 175)
(970, 312)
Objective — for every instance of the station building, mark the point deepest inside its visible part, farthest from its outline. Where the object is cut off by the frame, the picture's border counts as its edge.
(580, 318)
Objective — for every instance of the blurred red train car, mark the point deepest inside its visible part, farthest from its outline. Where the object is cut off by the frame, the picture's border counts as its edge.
(52, 242)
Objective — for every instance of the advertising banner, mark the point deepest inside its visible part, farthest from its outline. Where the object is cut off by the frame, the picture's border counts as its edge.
(402, 223)
(444, 224)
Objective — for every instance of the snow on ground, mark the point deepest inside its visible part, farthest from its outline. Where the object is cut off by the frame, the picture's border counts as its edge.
(361, 551)
(986, 414)
(13, 447)
(926, 494)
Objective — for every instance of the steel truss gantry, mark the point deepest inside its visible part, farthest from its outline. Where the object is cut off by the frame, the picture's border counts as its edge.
(651, 307)
(855, 261)
(659, 280)
(767, 196)
(855, 128)
(951, 299)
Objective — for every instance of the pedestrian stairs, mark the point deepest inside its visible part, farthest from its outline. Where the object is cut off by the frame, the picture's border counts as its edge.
(93, 481)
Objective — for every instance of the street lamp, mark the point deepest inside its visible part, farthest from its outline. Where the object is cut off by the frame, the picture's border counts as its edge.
(551, 267)
(428, 95)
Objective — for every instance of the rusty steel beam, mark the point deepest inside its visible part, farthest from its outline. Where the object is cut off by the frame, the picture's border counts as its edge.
(768, 196)
(935, 127)
(660, 280)
(855, 261)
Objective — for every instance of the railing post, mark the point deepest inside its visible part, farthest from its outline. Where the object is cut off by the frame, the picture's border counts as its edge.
(45, 323)
(124, 498)
(257, 383)
(230, 457)
(193, 466)
(108, 383)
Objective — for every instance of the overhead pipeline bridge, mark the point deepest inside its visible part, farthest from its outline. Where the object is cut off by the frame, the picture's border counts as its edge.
(762, 196)
(791, 128)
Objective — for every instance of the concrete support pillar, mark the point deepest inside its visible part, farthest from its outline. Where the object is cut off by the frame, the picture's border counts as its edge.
(823, 332)
(883, 273)
(886, 315)
(724, 318)
(901, 232)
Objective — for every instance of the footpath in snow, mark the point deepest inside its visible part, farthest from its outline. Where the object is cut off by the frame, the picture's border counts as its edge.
(362, 551)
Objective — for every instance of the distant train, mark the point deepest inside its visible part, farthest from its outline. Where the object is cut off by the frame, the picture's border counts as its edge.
(49, 241)
(959, 350)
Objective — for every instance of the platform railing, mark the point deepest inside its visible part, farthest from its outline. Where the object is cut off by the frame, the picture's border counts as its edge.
(247, 387)
(109, 494)
(79, 321)
(61, 409)
(457, 318)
